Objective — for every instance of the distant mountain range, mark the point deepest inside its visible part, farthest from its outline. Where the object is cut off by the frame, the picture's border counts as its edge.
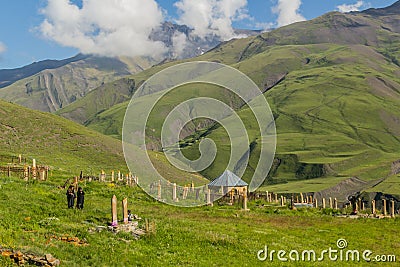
(9, 76)
(52, 84)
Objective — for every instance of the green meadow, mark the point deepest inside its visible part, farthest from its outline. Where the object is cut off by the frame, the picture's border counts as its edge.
(33, 212)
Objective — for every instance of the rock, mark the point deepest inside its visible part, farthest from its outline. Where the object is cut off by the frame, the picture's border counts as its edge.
(6, 253)
(54, 262)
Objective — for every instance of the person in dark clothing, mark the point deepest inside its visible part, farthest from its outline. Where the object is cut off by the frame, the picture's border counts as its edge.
(80, 198)
(70, 197)
(130, 216)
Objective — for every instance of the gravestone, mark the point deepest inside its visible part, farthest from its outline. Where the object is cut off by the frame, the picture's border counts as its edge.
(174, 193)
(34, 173)
(26, 173)
(114, 221)
(384, 207)
(76, 183)
(159, 190)
(125, 210)
(231, 194)
(185, 192)
(209, 197)
(373, 207)
(41, 174)
(102, 176)
(392, 213)
(245, 199)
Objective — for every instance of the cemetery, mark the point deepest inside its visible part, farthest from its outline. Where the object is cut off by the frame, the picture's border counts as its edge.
(227, 192)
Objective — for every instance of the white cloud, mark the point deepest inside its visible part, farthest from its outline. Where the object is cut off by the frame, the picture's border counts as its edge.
(212, 16)
(3, 48)
(288, 12)
(179, 41)
(104, 27)
(352, 7)
(264, 26)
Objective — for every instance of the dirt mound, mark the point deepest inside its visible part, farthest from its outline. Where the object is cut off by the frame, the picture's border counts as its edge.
(343, 190)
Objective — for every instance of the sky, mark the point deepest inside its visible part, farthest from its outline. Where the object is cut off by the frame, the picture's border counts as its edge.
(34, 30)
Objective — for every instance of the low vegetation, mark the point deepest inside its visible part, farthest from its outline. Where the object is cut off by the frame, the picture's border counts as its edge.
(34, 212)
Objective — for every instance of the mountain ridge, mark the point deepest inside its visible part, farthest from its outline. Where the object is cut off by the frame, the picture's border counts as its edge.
(51, 85)
(9, 76)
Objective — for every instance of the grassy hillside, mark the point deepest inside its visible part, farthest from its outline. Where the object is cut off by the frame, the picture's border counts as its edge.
(318, 114)
(106, 96)
(55, 141)
(67, 146)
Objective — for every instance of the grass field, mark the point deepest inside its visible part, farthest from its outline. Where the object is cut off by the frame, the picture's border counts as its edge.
(204, 236)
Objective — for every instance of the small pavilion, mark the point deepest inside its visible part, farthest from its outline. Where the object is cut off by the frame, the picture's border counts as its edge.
(227, 182)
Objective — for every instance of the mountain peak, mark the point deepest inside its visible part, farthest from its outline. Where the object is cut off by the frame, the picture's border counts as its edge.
(394, 9)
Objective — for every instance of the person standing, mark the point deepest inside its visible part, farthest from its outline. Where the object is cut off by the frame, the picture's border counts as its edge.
(80, 198)
(70, 196)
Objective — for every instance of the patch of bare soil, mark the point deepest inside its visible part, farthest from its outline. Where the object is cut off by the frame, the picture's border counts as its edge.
(343, 190)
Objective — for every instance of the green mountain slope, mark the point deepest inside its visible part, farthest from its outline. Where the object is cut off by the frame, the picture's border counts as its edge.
(333, 84)
(66, 146)
(55, 141)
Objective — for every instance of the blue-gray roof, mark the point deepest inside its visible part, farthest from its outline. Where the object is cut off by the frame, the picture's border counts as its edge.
(228, 178)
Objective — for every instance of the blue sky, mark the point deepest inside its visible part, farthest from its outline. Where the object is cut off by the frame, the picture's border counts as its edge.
(25, 38)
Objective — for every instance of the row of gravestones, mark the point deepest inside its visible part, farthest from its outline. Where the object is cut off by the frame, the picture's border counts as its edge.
(333, 203)
(209, 194)
(128, 178)
(35, 171)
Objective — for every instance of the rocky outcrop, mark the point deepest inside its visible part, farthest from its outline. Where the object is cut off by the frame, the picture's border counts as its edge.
(21, 258)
